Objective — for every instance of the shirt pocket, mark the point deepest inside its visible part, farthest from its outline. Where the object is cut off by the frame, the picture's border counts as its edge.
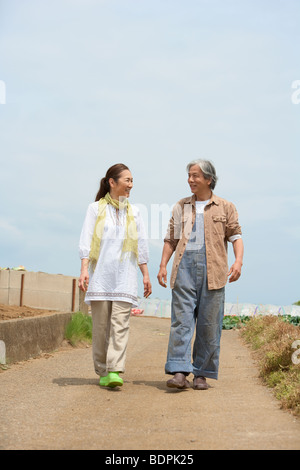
(186, 225)
(219, 224)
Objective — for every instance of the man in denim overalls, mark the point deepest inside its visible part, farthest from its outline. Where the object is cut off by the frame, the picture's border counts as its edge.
(198, 232)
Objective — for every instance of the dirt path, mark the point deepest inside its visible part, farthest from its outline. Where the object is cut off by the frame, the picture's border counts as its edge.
(54, 402)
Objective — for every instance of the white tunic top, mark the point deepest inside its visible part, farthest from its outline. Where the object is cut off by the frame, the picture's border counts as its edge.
(113, 278)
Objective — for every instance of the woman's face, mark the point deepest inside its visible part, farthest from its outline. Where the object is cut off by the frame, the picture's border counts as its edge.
(123, 186)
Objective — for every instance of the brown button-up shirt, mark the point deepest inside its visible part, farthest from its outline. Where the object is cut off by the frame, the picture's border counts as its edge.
(220, 223)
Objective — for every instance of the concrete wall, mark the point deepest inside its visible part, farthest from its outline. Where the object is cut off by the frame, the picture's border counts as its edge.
(24, 338)
(41, 290)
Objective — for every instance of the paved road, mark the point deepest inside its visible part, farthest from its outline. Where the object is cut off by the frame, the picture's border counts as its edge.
(54, 402)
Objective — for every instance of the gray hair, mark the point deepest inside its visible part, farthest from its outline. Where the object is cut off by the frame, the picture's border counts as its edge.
(207, 169)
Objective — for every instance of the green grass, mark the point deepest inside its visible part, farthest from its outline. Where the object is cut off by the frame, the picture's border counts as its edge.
(271, 339)
(79, 329)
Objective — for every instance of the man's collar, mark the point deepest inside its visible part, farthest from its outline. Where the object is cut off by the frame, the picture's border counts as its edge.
(213, 200)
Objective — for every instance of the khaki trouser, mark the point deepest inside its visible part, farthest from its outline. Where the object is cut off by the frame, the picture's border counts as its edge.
(110, 335)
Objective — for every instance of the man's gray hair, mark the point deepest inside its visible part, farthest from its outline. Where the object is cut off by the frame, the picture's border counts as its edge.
(207, 169)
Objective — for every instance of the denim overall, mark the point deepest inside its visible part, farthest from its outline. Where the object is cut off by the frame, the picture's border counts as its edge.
(195, 309)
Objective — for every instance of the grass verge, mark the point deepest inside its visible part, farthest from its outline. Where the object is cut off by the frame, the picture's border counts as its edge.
(79, 329)
(273, 340)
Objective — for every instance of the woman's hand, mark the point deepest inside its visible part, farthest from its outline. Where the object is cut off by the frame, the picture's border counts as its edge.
(83, 282)
(146, 280)
(147, 286)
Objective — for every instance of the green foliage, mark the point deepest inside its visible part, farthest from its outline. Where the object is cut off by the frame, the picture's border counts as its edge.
(237, 321)
(79, 329)
(234, 321)
(290, 319)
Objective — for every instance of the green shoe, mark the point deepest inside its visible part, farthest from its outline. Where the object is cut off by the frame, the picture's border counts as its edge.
(103, 381)
(113, 380)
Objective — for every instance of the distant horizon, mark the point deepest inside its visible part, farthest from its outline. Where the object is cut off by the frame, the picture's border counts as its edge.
(152, 298)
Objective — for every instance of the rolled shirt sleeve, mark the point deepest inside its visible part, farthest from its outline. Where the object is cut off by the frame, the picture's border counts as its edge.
(233, 228)
(174, 230)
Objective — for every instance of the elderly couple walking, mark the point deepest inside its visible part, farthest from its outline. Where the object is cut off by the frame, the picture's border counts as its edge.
(113, 243)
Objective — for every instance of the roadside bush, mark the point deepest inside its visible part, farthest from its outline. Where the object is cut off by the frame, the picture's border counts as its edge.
(271, 338)
(79, 329)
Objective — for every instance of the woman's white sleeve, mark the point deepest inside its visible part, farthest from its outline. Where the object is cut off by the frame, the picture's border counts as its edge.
(87, 232)
(143, 249)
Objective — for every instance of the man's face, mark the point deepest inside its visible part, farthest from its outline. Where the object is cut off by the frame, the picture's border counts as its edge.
(197, 181)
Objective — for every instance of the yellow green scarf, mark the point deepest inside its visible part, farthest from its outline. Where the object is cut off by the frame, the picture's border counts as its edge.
(130, 243)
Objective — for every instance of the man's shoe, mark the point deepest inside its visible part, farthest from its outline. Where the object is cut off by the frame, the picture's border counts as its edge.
(199, 383)
(178, 381)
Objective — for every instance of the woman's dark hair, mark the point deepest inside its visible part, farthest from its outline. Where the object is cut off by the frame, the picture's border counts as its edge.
(113, 172)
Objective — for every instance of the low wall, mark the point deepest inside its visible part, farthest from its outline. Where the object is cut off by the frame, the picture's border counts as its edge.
(25, 338)
(41, 290)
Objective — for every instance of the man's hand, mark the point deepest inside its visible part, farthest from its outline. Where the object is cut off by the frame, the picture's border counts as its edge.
(235, 271)
(162, 276)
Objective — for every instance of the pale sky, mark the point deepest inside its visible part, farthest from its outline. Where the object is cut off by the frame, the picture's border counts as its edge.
(153, 84)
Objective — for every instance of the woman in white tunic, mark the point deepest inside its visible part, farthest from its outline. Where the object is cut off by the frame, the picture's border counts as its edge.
(112, 244)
